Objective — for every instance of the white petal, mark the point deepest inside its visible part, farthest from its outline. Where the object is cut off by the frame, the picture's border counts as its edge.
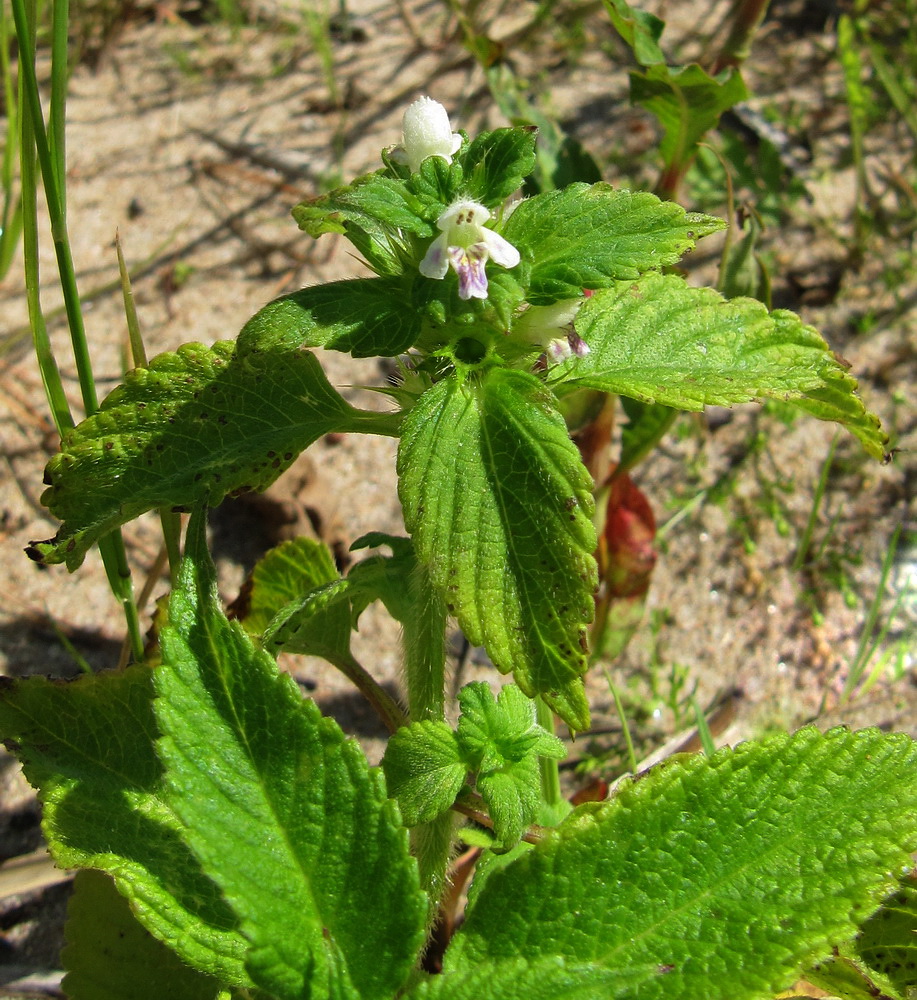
(427, 132)
(501, 250)
(436, 260)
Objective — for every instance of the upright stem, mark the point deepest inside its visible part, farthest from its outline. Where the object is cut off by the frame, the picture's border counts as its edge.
(747, 18)
(550, 773)
(425, 675)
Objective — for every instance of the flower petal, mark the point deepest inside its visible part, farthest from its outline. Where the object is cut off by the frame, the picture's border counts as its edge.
(468, 263)
(501, 251)
(436, 260)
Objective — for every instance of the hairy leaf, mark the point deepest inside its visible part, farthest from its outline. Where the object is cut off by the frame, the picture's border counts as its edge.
(365, 317)
(715, 877)
(500, 506)
(282, 811)
(424, 770)
(496, 163)
(109, 955)
(88, 747)
(282, 576)
(590, 236)
(370, 211)
(659, 340)
(195, 425)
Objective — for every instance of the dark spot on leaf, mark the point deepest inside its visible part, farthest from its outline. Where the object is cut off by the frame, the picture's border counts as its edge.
(287, 455)
(71, 545)
(583, 641)
(664, 970)
(271, 454)
(222, 419)
(109, 445)
(204, 416)
(570, 503)
(160, 446)
(198, 477)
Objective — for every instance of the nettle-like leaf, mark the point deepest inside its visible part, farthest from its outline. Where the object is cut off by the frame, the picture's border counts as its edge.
(640, 30)
(499, 506)
(365, 317)
(424, 770)
(501, 741)
(195, 425)
(281, 577)
(109, 955)
(369, 212)
(688, 102)
(592, 235)
(496, 163)
(715, 877)
(887, 942)
(282, 811)
(88, 747)
(661, 341)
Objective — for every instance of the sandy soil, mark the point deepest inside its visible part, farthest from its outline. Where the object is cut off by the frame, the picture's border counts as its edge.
(193, 142)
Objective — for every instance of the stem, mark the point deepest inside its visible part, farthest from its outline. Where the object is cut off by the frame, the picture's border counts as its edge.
(550, 772)
(35, 141)
(425, 675)
(376, 695)
(748, 17)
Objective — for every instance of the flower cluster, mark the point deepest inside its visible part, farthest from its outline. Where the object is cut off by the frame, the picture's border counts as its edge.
(465, 244)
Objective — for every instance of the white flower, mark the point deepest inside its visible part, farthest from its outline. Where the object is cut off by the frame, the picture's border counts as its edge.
(425, 131)
(465, 244)
(551, 327)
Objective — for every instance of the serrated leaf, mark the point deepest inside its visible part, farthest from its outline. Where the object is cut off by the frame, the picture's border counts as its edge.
(661, 341)
(195, 425)
(88, 747)
(282, 811)
(109, 956)
(715, 877)
(499, 505)
(496, 163)
(370, 211)
(591, 235)
(512, 794)
(688, 103)
(316, 624)
(424, 770)
(282, 576)
(365, 317)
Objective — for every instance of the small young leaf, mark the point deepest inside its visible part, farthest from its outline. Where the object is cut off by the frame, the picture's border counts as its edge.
(424, 770)
(499, 505)
(282, 811)
(88, 747)
(659, 340)
(369, 212)
(688, 103)
(715, 877)
(496, 163)
(365, 317)
(109, 955)
(589, 236)
(502, 742)
(316, 624)
(282, 576)
(195, 425)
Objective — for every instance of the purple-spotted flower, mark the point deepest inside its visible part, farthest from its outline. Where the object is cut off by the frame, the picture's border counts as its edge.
(465, 244)
(551, 327)
(425, 131)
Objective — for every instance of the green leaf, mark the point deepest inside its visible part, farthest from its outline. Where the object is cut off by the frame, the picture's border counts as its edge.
(282, 576)
(640, 30)
(645, 427)
(888, 940)
(317, 624)
(499, 505)
(715, 877)
(282, 811)
(661, 341)
(365, 317)
(688, 103)
(195, 425)
(424, 770)
(109, 955)
(502, 742)
(369, 212)
(589, 236)
(88, 747)
(496, 163)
